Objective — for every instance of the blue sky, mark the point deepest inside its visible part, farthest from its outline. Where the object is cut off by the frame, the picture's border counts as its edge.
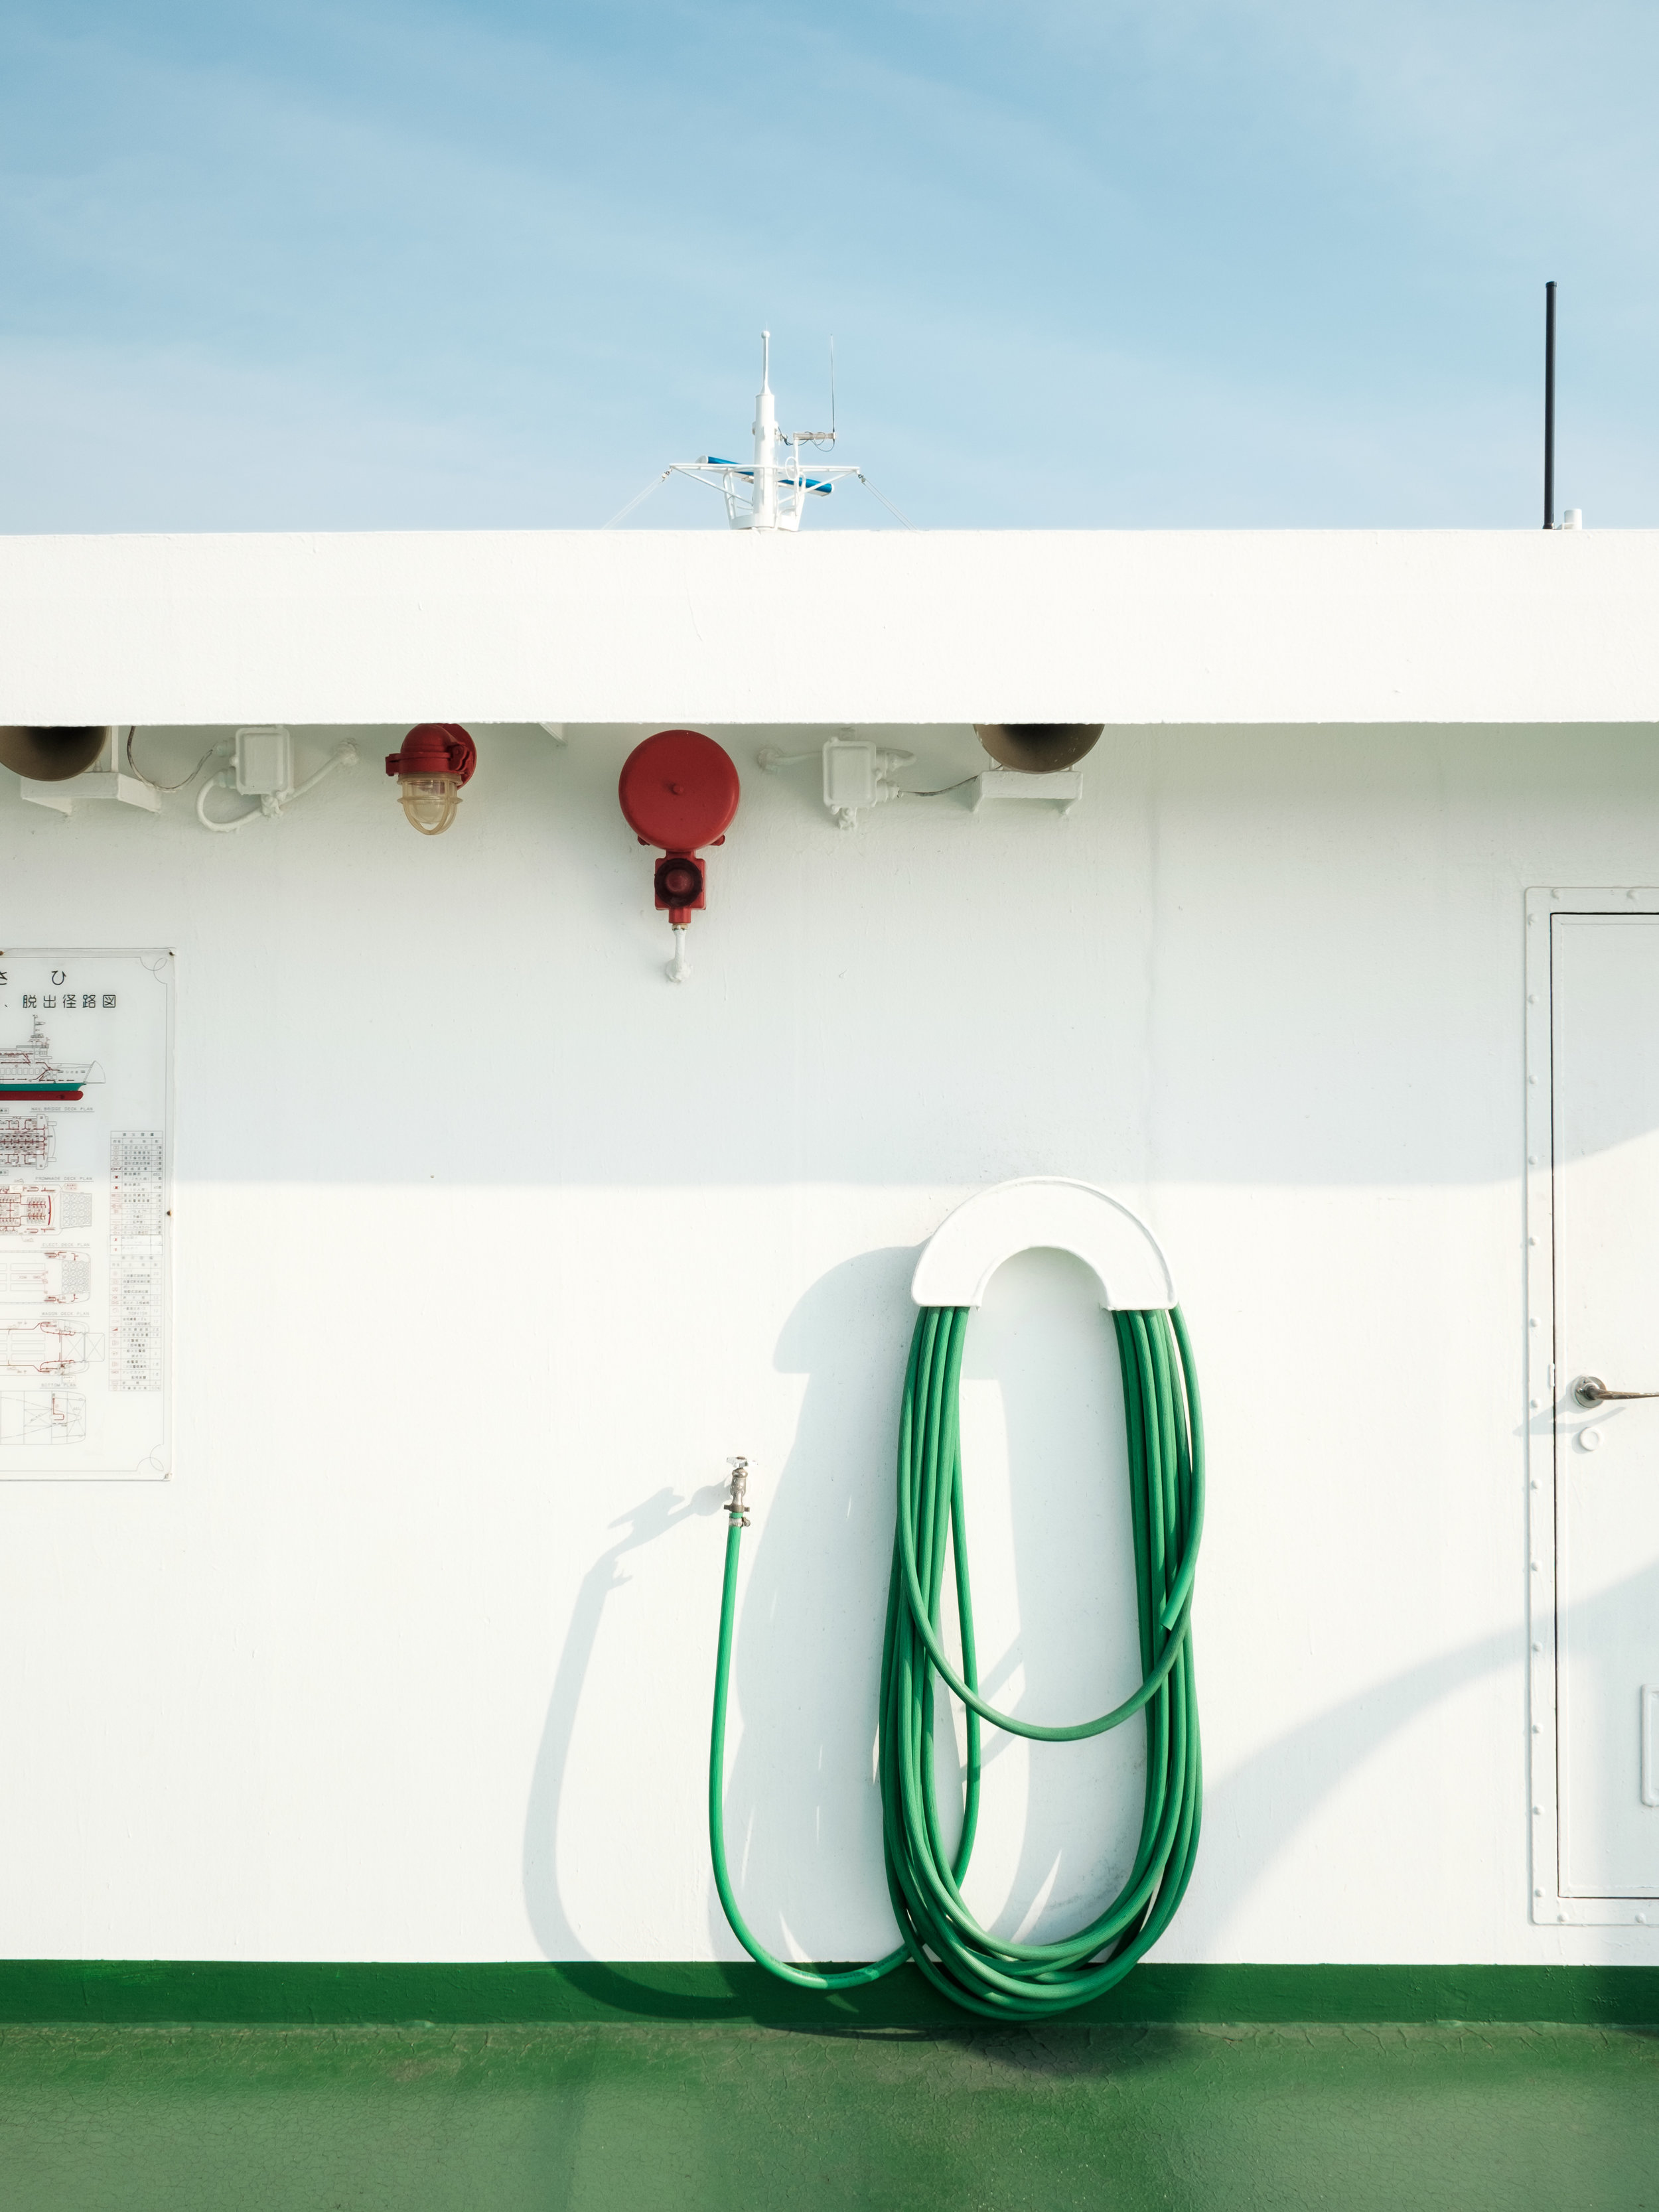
(1087, 262)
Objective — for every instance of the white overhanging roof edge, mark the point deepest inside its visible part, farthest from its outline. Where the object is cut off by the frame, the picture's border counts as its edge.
(1043, 1213)
(1124, 626)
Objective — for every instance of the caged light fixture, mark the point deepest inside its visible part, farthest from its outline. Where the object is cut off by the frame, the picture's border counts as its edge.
(432, 763)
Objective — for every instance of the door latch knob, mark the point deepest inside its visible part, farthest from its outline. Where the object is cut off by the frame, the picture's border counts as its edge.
(1591, 1390)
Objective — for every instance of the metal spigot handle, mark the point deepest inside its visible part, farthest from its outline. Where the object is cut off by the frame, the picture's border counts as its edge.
(1591, 1390)
(737, 1503)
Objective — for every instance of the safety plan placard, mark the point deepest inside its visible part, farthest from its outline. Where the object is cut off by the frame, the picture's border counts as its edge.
(85, 1213)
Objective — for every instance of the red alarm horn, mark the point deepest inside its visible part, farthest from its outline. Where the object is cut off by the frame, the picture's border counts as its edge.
(679, 790)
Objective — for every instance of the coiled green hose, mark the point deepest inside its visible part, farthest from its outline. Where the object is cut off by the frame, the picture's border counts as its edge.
(992, 1974)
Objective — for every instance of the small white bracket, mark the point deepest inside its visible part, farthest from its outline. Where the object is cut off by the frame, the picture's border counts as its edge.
(556, 731)
(59, 797)
(133, 791)
(855, 773)
(1050, 1213)
(104, 781)
(1059, 787)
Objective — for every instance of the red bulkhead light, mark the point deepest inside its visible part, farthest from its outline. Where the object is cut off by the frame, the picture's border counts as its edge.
(432, 763)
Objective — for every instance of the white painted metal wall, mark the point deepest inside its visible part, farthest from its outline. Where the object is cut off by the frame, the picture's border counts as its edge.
(492, 1246)
(1240, 626)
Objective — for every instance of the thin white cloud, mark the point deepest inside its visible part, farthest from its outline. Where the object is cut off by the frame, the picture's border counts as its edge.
(1202, 259)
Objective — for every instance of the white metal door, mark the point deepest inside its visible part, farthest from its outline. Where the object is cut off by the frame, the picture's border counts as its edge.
(1604, 1195)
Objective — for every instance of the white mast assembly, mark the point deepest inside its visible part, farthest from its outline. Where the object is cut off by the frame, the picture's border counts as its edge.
(770, 492)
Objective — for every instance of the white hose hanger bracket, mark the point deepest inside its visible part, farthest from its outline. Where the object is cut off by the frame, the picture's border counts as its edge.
(1050, 1213)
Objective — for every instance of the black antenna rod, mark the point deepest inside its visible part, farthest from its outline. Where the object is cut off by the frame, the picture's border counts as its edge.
(1549, 406)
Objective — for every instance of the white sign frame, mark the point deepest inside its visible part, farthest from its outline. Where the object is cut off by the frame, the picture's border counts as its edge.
(21, 1462)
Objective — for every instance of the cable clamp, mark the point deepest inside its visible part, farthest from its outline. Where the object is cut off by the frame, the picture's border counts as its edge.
(738, 1503)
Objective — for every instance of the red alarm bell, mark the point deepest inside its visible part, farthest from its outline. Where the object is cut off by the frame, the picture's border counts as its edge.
(679, 790)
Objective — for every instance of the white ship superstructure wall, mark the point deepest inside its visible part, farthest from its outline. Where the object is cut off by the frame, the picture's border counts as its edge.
(490, 1247)
(912, 626)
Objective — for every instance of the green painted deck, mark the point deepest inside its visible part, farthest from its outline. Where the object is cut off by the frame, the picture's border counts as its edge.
(591, 2117)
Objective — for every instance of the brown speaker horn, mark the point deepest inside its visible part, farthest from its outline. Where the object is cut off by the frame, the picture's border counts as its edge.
(1037, 747)
(51, 756)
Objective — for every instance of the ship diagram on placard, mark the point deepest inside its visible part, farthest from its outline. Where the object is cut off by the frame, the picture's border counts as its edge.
(48, 1348)
(28, 1209)
(86, 1047)
(29, 1071)
(27, 1141)
(59, 1417)
(45, 1279)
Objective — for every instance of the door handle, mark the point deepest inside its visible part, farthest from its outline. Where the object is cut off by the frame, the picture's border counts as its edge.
(1591, 1390)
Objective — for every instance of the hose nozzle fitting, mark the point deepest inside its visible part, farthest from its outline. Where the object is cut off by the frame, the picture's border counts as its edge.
(738, 1503)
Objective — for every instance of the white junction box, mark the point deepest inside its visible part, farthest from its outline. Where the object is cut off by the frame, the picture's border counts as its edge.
(849, 774)
(265, 762)
(86, 1050)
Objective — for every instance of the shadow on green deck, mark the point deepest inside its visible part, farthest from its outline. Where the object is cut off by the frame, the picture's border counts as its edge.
(591, 2117)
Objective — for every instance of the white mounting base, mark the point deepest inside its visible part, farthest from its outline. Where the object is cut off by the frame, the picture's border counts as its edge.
(1052, 1213)
(1061, 787)
(94, 783)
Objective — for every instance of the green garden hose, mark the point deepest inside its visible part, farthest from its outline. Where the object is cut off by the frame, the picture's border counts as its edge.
(992, 1974)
